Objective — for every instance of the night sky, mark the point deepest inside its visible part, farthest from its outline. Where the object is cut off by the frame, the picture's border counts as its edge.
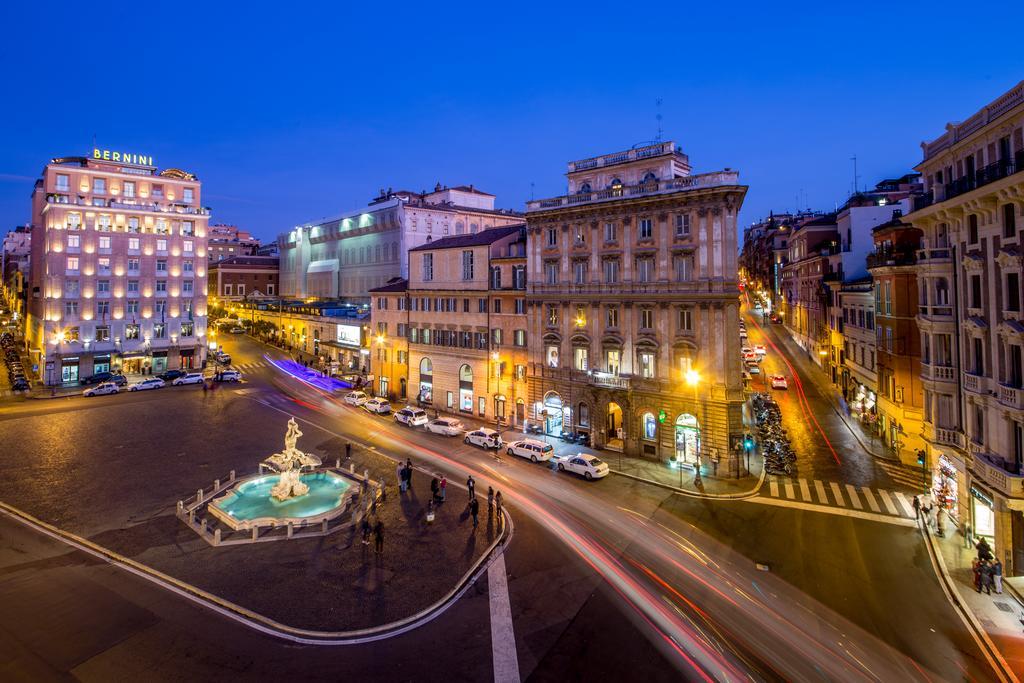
(289, 114)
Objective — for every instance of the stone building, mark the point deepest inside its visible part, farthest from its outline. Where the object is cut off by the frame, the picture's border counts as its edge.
(859, 374)
(633, 290)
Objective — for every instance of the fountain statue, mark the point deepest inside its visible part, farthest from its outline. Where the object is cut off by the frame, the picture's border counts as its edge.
(290, 464)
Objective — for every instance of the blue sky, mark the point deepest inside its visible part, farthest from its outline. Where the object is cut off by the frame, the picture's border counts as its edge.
(289, 112)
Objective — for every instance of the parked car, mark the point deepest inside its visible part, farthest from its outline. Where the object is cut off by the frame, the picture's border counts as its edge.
(356, 398)
(779, 382)
(222, 358)
(584, 464)
(171, 375)
(447, 426)
(100, 377)
(231, 376)
(411, 417)
(189, 378)
(746, 349)
(378, 406)
(753, 368)
(237, 330)
(484, 438)
(751, 357)
(146, 384)
(532, 449)
(101, 389)
(761, 349)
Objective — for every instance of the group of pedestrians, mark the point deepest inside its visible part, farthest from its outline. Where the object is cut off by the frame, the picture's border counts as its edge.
(494, 502)
(404, 474)
(378, 534)
(988, 570)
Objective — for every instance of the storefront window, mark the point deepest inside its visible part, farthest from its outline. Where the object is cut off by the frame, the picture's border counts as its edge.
(983, 513)
(650, 426)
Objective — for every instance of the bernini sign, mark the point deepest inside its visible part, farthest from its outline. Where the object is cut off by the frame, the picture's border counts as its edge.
(122, 157)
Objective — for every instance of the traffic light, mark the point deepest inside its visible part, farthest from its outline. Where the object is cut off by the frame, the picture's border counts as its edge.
(748, 441)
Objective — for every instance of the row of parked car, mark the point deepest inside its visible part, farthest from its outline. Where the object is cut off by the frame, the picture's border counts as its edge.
(105, 383)
(584, 464)
(12, 359)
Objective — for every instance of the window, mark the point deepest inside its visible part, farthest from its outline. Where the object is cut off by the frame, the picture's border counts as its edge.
(552, 315)
(70, 308)
(159, 330)
(1009, 221)
(74, 241)
(128, 189)
(103, 286)
(161, 246)
(682, 225)
(160, 307)
(102, 333)
(612, 358)
(131, 308)
(644, 269)
(496, 336)
(611, 271)
(161, 265)
(71, 288)
(551, 355)
(495, 278)
(102, 310)
(519, 337)
(428, 267)
(972, 229)
(133, 244)
(683, 266)
(519, 277)
(186, 266)
(646, 319)
(685, 320)
(645, 229)
(580, 357)
(103, 222)
(187, 287)
(186, 246)
(612, 316)
(497, 305)
(552, 237)
(646, 359)
(579, 272)
(187, 329)
(133, 265)
(580, 235)
(99, 186)
(133, 226)
(161, 286)
(520, 306)
(74, 221)
(1013, 292)
(976, 291)
(186, 228)
(467, 265)
(133, 287)
(62, 182)
(551, 272)
(187, 194)
(520, 371)
(131, 331)
(72, 264)
(611, 232)
(650, 427)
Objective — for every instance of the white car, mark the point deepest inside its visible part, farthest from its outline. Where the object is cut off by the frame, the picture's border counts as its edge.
(753, 368)
(231, 376)
(101, 389)
(356, 398)
(378, 406)
(589, 466)
(779, 382)
(223, 358)
(189, 378)
(484, 438)
(146, 384)
(760, 349)
(751, 357)
(237, 330)
(532, 449)
(745, 350)
(447, 426)
(411, 417)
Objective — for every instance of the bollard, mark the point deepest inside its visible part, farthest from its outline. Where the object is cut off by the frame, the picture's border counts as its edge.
(202, 526)
(255, 532)
(199, 496)
(191, 517)
(290, 530)
(216, 536)
(231, 477)
(181, 506)
(366, 475)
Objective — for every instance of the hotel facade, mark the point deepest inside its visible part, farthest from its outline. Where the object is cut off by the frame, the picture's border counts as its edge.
(633, 307)
(118, 268)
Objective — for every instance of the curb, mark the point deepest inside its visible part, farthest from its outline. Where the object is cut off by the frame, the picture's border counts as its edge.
(254, 620)
(693, 494)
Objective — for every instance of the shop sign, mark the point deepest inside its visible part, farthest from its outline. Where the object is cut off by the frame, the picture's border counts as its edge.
(350, 335)
(122, 157)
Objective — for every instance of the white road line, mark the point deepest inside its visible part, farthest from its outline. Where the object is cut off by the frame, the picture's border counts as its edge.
(789, 490)
(831, 510)
(852, 492)
(870, 498)
(773, 488)
(905, 504)
(503, 639)
(822, 498)
(805, 490)
(884, 495)
(837, 492)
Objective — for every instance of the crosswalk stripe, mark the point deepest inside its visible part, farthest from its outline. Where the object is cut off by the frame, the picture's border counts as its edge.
(821, 492)
(805, 490)
(884, 495)
(789, 490)
(852, 492)
(773, 488)
(870, 498)
(837, 493)
(907, 507)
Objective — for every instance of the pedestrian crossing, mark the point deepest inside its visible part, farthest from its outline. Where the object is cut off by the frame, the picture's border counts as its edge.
(901, 474)
(834, 495)
(251, 366)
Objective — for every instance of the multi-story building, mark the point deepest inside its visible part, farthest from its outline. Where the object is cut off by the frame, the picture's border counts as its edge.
(633, 305)
(766, 252)
(16, 261)
(898, 345)
(859, 374)
(972, 333)
(454, 336)
(225, 241)
(806, 310)
(118, 275)
(336, 333)
(243, 277)
(345, 256)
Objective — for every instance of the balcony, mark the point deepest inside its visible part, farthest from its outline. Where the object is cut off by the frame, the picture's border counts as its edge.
(133, 206)
(984, 176)
(994, 472)
(975, 384)
(938, 373)
(655, 187)
(945, 437)
(891, 257)
(1011, 397)
(939, 255)
(622, 157)
(634, 288)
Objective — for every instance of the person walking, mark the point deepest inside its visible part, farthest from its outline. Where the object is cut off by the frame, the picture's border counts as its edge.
(976, 570)
(997, 576)
(444, 487)
(435, 488)
(917, 505)
(408, 474)
(984, 551)
(986, 577)
(348, 450)
(490, 500)
(497, 503)
(378, 536)
(471, 485)
(366, 531)
(400, 474)
(968, 536)
(474, 509)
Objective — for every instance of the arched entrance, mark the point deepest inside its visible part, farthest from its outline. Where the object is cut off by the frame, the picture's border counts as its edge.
(426, 394)
(615, 429)
(402, 388)
(466, 389)
(520, 411)
(556, 416)
(687, 439)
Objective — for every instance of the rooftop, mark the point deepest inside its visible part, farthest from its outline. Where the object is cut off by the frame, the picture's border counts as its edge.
(489, 236)
(955, 132)
(266, 261)
(397, 284)
(725, 178)
(657, 149)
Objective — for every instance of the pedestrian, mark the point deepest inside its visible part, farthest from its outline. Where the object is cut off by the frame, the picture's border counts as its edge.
(968, 535)
(498, 502)
(435, 488)
(474, 509)
(917, 505)
(997, 576)
(444, 487)
(378, 536)
(976, 570)
(984, 551)
(408, 475)
(366, 531)
(927, 510)
(348, 450)
(986, 578)
(490, 500)
(400, 474)
(471, 485)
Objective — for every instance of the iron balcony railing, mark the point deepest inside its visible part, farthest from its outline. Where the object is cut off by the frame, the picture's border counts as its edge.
(983, 176)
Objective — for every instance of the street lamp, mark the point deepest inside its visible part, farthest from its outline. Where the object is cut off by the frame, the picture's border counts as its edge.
(381, 339)
(497, 372)
(693, 379)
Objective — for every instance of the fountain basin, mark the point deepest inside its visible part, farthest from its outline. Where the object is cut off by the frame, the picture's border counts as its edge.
(249, 504)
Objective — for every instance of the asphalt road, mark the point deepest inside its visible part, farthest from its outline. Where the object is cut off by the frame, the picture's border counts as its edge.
(611, 578)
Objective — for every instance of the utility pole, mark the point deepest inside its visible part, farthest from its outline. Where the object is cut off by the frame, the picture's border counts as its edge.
(657, 116)
(856, 177)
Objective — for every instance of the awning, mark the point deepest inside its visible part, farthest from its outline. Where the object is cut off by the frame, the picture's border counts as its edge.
(325, 266)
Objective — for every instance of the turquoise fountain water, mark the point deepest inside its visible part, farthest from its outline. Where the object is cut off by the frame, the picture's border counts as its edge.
(252, 501)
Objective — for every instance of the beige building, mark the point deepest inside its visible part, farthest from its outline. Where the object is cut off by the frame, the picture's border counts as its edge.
(970, 320)
(860, 373)
(633, 289)
(453, 337)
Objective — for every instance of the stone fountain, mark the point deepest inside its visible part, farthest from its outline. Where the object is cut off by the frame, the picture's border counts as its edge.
(290, 463)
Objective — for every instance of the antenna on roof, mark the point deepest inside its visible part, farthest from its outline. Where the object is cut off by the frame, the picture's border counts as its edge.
(657, 116)
(855, 176)
(531, 190)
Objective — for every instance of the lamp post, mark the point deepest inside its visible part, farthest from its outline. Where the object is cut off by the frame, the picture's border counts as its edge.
(693, 379)
(497, 373)
(381, 341)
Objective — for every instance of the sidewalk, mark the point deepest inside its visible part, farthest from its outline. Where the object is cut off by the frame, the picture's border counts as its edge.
(998, 615)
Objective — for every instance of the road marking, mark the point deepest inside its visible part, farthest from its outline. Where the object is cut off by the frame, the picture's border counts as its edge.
(503, 639)
(852, 492)
(822, 498)
(773, 488)
(870, 498)
(907, 507)
(789, 490)
(837, 493)
(830, 510)
(884, 495)
(805, 490)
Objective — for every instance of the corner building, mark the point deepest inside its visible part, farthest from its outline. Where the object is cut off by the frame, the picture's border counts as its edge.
(633, 284)
(118, 276)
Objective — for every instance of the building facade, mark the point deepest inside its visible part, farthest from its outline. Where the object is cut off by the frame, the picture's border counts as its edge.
(807, 304)
(972, 333)
(634, 308)
(859, 378)
(454, 337)
(118, 274)
(345, 256)
(225, 241)
(237, 278)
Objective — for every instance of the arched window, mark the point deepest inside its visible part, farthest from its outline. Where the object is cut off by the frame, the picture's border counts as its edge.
(650, 426)
(585, 188)
(426, 367)
(687, 439)
(466, 374)
(616, 182)
(650, 178)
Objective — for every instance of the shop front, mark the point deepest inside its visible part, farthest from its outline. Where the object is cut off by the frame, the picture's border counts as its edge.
(187, 359)
(983, 514)
(133, 363)
(862, 402)
(944, 486)
(426, 391)
(556, 416)
(159, 362)
(69, 370)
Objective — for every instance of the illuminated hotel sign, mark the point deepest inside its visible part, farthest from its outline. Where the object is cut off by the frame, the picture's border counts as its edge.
(349, 335)
(122, 157)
